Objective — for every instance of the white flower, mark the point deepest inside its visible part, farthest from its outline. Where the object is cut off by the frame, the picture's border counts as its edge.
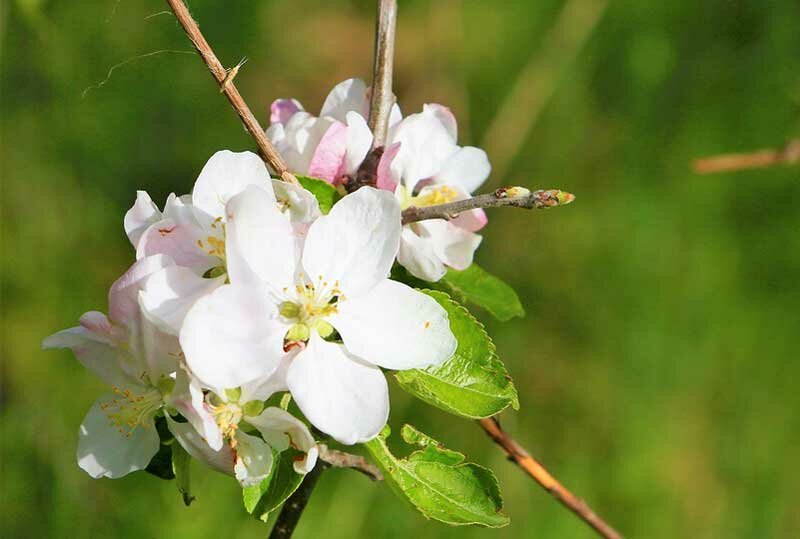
(332, 145)
(192, 231)
(430, 168)
(422, 163)
(336, 287)
(243, 454)
(140, 363)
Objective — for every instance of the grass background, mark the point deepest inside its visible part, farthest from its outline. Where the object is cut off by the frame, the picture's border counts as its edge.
(657, 366)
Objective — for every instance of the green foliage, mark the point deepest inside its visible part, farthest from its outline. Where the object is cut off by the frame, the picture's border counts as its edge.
(326, 194)
(473, 383)
(262, 499)
(476, 285)
(438, 483)
(181, 462)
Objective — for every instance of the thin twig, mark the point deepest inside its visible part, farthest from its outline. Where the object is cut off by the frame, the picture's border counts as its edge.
(525, 461)
(292, 510)
(538, 80)
(517, 197)
(265, 148)
(382, 97)
(340, 459)
(788, 155)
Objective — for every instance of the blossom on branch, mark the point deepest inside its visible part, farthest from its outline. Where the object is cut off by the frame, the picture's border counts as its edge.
(330, 304)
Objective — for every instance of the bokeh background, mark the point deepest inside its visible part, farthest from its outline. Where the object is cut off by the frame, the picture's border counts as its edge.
(658, 363)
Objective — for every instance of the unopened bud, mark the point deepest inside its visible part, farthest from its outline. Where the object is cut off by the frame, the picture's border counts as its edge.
(517, 191)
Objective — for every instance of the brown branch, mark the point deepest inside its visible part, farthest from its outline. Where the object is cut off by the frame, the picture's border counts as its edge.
(293, 508)
(340, 459)
(517, 197)
(224, 79)
(382, 98)
(788, 155)
(524, 460)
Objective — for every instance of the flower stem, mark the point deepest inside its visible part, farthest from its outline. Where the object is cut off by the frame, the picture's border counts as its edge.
(225, 78)
(292, 510)
(531, 466)
(517, 197)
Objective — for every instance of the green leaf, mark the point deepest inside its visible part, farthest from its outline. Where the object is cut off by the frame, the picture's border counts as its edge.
(475, 285)
(326, 194)
(437, 482)
(180, 467)
(262, 499)
(161, 463)
(473, 383)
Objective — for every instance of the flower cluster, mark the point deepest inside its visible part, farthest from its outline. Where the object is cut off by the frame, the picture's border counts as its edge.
(243, 291)
(421, 164)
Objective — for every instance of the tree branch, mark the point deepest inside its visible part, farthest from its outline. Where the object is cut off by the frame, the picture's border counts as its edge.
(340, 459)
(225, 80)
(525, 461)
(293, 508)
(788, 155)
(518, 197)
(382, 97)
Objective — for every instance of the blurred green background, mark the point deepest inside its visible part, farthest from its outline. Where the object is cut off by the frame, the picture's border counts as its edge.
(658, 363)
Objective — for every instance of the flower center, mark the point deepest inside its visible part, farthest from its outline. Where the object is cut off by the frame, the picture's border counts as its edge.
(130, 410)
(227, 415)
(310, 307)
(432, 196)
(214, 245)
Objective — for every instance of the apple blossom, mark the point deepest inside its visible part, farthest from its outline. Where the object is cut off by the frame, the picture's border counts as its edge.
(332, 145)
(141, 364)
(243, 454)
(331, 304)
(422, 164)
(191, 230)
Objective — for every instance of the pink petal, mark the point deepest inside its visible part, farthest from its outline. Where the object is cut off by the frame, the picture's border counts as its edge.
(385, 180)
(472, 220)
(282, 109)
(328, 161)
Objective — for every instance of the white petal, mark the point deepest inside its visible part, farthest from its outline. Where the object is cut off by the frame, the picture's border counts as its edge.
(264, 388)
(359, 141)
(395, 327)
(281, 429)
(226, 175)
(105, 452)
(425, 146)
(418, 256)
(300, 139)
(253, 459)
(179, 242)
(348, 95)
(338, 393)
(188, 399)
(98, 356)
(445, 117)
(142, 214)
(123, 297)
(233, 336)
(452, 244)
(169, 294)
(194, 444)
(180, 209)
(260, 242)
(468, 168)
(356, 242)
